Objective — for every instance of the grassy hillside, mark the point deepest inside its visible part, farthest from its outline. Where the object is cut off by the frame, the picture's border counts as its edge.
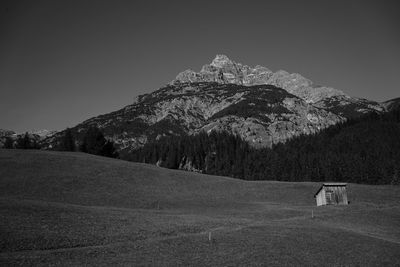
(78, 209)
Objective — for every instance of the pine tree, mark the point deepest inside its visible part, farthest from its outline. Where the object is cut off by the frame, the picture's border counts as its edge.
(396, 177)
(108, 150)
(364, 150)
(67, 141)
(24, 142)
(9, 143)
(95, 143)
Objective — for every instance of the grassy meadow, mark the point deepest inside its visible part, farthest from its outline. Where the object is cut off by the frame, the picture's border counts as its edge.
(63, 208)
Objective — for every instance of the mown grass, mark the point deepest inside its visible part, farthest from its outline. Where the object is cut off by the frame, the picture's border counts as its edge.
(76, 209)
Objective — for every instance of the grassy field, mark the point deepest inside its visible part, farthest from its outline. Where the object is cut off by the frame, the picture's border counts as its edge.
(76, 209)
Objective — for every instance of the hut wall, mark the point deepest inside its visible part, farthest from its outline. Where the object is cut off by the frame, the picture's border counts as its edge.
(332, 195)
(321, 198)
(338, 195)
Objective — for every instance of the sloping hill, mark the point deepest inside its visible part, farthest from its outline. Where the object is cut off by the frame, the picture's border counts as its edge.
(84, 179)
(78, 209)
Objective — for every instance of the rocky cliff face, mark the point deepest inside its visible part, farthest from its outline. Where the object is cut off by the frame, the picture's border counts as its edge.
(224, 70)
(261, 106)
(349, 107)
(261, 114)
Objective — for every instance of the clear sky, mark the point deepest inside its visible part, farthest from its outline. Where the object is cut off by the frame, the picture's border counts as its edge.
(62, 62)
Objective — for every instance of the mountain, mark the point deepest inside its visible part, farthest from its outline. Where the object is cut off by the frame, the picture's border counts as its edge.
(260, 114)
(260, 106)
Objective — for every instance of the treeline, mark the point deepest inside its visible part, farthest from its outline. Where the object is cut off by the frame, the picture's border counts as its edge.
(92, 142)
(365, 150)
(22, 142)
(217, 153)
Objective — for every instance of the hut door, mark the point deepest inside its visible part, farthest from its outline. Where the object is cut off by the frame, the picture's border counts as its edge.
(330, 198)
(337, 199)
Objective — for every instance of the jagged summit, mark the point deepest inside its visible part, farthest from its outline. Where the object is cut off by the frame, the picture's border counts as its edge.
(220, 61)
(224, 70)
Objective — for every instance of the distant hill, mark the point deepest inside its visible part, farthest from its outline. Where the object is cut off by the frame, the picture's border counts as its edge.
(6, 132)
(84, 179)
(35, 136)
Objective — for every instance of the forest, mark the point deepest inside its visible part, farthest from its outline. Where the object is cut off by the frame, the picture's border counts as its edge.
(363, 150)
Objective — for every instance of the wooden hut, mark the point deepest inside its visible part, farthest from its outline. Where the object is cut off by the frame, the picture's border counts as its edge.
(331, 194)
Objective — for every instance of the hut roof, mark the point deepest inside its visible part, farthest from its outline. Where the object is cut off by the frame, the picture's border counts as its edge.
(329, 184)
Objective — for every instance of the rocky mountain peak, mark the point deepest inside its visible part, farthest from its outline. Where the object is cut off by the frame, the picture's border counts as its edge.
(221, 61)
(225, 71)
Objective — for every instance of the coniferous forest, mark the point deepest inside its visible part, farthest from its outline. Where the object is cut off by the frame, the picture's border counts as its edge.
(364, 150)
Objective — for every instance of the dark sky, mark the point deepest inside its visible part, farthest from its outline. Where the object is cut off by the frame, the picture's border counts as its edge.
(62, 62)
